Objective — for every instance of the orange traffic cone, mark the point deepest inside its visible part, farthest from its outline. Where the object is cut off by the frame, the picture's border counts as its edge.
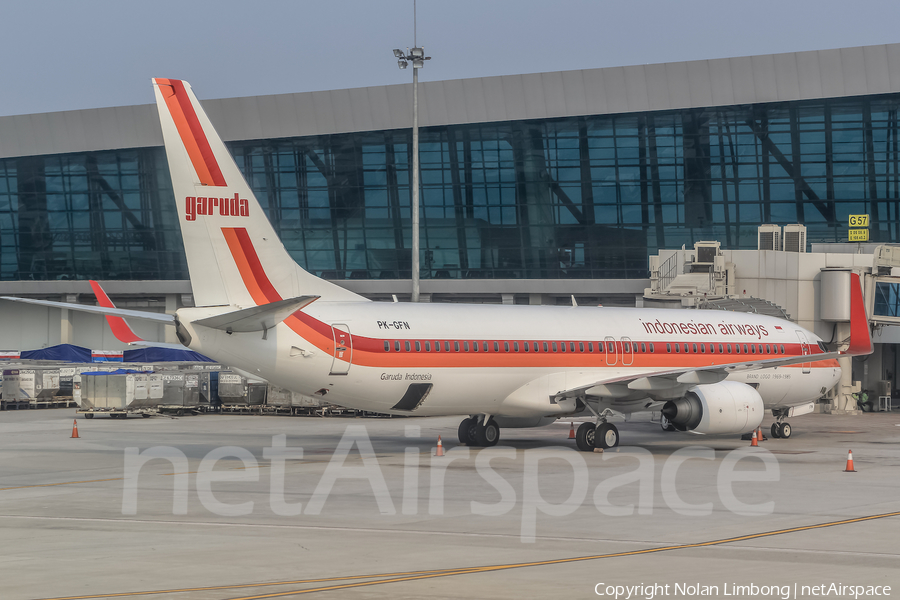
(440, 448)
(75, 428)
(759, 434)
(571, 431)
(850, 468)
(753, 441)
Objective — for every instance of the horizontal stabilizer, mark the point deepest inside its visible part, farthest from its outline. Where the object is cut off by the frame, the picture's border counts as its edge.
(116, 312)
(257, 318)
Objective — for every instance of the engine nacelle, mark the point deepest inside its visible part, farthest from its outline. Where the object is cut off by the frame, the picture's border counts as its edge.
(724, 407)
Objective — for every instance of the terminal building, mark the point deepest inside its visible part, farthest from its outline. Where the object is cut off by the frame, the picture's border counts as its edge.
(535, 188)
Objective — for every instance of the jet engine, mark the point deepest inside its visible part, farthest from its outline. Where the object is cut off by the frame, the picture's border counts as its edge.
(724, 407)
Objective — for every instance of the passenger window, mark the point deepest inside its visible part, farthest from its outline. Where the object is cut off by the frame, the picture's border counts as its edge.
(515, 346)
(418, 346)
(627, 347)
(427, 346)
(496, 347)
(651, 348)
(728, 347)
(387, 346)
(396, 346)
(720, 348)
(475, 346)
(745, 349)
(406, 344)
(782, 349)
(506, 346)
(768, 349)
(456, 346)
(534, 346)
(572, 346)
(643, 348)
(590, 346)
(695, 348)
(562, 346)
(752, 348)
(437, 346)
(525, 344)
(668, 347)
(484, 346)
(465, 346)
(702, 349)
(611, 346)
(446, 346)
(581, 346)
(676, 349)
(554, 346)
(712, 348)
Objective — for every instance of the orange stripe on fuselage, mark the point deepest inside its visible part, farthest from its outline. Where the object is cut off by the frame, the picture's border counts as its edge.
(369, 352)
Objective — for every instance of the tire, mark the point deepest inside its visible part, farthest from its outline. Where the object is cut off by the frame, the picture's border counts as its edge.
(785, 430)
(665, 424)
(584, 437)
(607, 436)
(145, 415)
(88, 416)
(463, 432)
(179, 413)
(488, 434)
(776, 430)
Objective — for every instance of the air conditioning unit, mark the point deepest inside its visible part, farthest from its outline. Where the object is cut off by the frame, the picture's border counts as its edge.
(795, 238)
(768, 237)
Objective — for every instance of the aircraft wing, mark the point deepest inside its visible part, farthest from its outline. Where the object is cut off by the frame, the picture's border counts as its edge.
(668, 379)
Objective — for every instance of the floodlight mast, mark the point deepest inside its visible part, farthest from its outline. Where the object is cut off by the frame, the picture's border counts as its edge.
(417, 57)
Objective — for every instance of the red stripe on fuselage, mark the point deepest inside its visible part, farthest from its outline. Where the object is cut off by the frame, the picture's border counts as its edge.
(370, 352)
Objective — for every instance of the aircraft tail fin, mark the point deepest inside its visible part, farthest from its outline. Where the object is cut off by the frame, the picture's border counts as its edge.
(234, 256)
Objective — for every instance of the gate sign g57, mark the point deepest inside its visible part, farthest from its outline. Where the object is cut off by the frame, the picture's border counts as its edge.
(859, 220)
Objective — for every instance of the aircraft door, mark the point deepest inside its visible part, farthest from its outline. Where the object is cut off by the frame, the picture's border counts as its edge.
(343, 349)
(804, 349)
(611, 354)
(627, 351)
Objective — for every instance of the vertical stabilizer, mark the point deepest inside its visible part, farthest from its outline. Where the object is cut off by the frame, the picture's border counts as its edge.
(233, 254)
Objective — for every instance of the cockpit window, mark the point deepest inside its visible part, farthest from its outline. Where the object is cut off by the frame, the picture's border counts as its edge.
(822, 346)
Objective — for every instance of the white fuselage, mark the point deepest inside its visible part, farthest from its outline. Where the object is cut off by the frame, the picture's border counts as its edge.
(481, 359)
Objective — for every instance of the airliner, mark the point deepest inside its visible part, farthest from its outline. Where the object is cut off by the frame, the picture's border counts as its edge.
(707, 372)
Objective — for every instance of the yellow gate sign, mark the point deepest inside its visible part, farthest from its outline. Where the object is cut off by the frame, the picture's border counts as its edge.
(859, 221)
(858, 235)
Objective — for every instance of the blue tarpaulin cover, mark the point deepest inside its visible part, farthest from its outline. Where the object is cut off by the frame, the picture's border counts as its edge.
(64, 352)
(164, 355)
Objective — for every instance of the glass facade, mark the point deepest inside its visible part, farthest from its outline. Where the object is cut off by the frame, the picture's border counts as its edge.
(585, 197)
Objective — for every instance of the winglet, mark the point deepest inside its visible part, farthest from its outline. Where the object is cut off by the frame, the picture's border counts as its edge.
(860, 337)
(118, 325)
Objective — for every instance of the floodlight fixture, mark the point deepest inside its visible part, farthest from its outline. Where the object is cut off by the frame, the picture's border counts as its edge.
(398, 53)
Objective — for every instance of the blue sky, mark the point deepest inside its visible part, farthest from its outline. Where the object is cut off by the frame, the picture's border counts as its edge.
(65, 55)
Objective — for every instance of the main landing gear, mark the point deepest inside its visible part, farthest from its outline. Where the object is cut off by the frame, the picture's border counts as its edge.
(590, 436)
(479, 431)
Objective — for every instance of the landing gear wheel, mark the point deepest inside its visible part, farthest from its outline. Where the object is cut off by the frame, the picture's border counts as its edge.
(776, 430)
(488, 434)
(784, 430)
(465, 432)
(665, 423)
(145, 415)
(88, 416)
(584, 437)
(606, 436)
